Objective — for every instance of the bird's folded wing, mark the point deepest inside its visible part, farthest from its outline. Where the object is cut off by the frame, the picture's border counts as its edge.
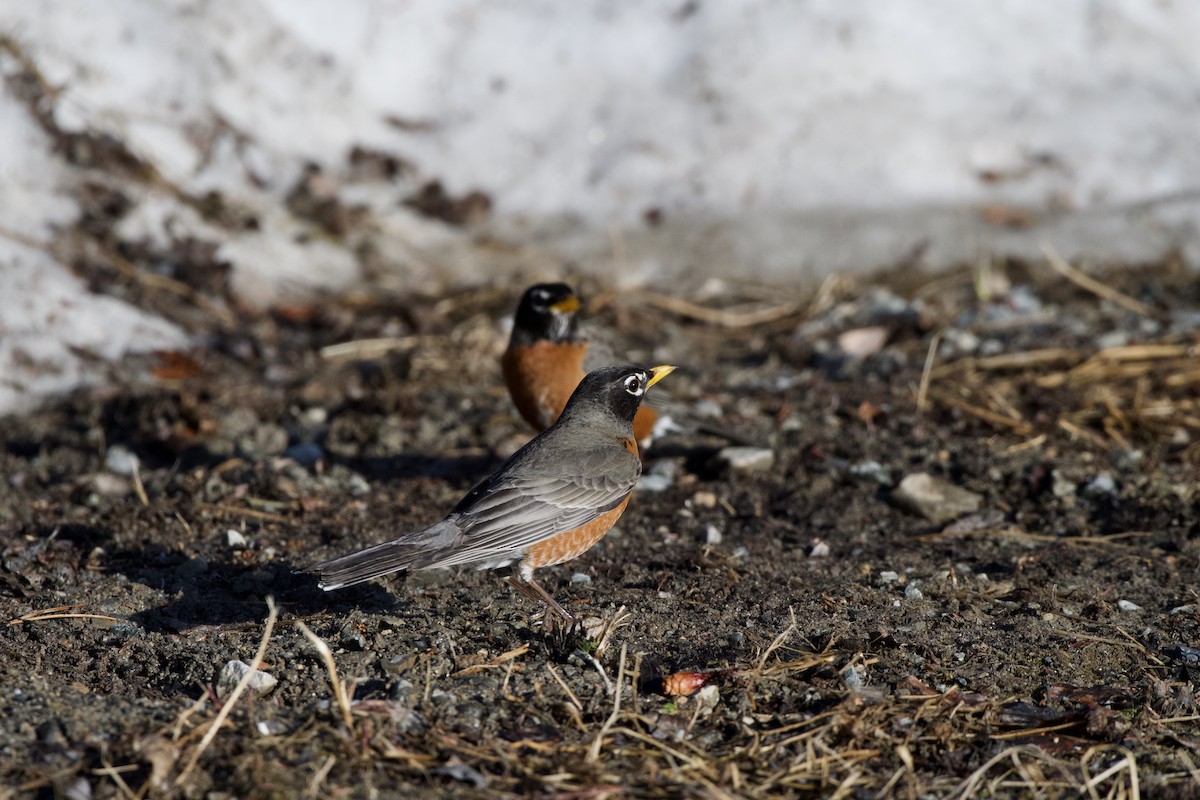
(518, 511)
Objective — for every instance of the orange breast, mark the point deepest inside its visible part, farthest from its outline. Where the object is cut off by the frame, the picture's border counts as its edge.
(541, 378)
(571, 544)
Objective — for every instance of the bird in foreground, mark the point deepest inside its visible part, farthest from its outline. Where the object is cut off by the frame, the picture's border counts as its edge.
(555, 498)
(546, 359)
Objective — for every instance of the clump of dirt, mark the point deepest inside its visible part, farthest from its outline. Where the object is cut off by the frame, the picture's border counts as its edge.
(831, 640)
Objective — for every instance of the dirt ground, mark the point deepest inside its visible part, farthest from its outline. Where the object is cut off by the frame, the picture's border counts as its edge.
(1040, 638)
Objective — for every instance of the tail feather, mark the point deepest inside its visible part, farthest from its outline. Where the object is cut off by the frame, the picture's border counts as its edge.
(411, 551)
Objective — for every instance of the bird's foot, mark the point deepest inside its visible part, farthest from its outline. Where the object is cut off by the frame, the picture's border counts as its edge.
(556, 615)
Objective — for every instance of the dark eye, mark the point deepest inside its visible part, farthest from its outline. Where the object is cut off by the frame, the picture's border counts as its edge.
(633, 385)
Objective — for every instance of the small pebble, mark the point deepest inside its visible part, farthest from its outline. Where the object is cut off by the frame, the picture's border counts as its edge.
(305, 454)
(872, 471)
(271, 727)
(863, 342)
(581, 578)
(1117, 338)
(712, 535)
(742, 552)
(658, 478)
(746, 460)
(232, 673)
(912, 592)
(1061, 486)
(1101, 486)
(956, 341)
(937, 500)
(119, 460)
(79, 789)
(991, 347)
(708, 696)
(235, 539)
(1128, 605)
(888, 576)
(851, 676)
(819, 549)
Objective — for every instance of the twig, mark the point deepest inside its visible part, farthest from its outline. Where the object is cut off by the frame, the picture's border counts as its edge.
(722, 317)
(365, 349)
(53, 613)
(559, 680)
(227, 708)
(595, 662)
(339, 689)
(927, 371)
(109, 771)
(1094, 286)
(777, 642)
(314, 786)
(265, 516)
(138, 486)
(496, 662)
(1127, 762)
(987, 415)
(598, 742)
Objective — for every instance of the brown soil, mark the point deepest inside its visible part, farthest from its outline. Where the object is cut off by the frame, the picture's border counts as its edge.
(856, 649)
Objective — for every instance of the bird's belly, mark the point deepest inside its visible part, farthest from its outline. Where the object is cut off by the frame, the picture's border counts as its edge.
(570, 544)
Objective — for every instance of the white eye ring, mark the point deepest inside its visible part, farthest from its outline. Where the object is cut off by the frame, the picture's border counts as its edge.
(633, 385)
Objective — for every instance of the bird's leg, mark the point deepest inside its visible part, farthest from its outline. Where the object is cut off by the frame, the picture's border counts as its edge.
(534, 591)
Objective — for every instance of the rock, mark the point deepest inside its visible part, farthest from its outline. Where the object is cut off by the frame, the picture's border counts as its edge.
(912, 592)
(1100, 487)
(888, 576)
(863, 342)
(581, 579)
(232, 674)
(1128, 605)
(305, 454)
(262, 441)
(1117, 338)
(872, 471)
(659, 477)
(819, 549)
(109, 485)
(271, 727)
(119, 460)
(956, 341)
(934, 499)
(1061, 486)
(746, 460)
(712, 535)
(79, 789)
(709, 696)
(235, 539)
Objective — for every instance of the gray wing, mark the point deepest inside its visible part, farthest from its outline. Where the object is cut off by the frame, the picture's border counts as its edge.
(519, 508)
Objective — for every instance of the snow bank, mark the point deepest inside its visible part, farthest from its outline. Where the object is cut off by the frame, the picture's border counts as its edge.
(763, 138)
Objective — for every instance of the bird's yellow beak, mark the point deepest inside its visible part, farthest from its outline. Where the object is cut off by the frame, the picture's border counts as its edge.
(566, 305)
(658, 373)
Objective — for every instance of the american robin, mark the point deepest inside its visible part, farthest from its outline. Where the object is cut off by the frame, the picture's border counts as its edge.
(546, 359)
(555, 498)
